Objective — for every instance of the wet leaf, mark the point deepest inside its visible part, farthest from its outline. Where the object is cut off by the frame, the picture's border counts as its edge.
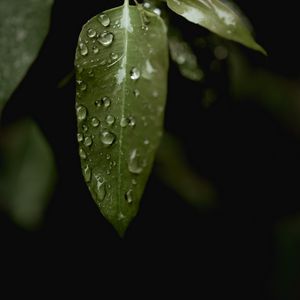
(217, 16)
(27, 173)
(121, 68)
(23, 27)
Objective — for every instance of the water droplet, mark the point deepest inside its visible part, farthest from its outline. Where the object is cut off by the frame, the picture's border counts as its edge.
(134, 73)
(108, 172)
(101, 188)
(146, 142)
(130, 121)
(155, 94)
(129, 196)
(136, 93)
(157, 11)
(82, 154)
(133, 181)
(85, 128)
(114, 56)
(81, 113)
(88, 141)
(134, 165)
(147, 5)
(95, 122)
(107, 138)
(110, 120)
(91, 33)
(83, 49)
(108, 156)
(95, 49)
(91, 73)
(87, 173)
(105, 101)
(79, 137)
(104, 20)
(83, 87)
(106, 38)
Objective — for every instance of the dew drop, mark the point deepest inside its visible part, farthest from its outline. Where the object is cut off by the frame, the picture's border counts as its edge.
(82, 154)
(114, 56)
(146, 142)
(106, 38)
(133, 181)
(157, 11)
(104, 20)
(108, 156)
(147, 5)
(130, 121)
(107, 138)
(83, 49)
(95, 49)
(101, 188)
(79, 137)
(85, 128)
(129, 196)
(105, 101)
(136, 93)
(134, 73)
(95, 122)
(81, 113)
(110, 120)
(88, 141)
(83, 87)
(87, 173)
(134, 165)
(91, 33)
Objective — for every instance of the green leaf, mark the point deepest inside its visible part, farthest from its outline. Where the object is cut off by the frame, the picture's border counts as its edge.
(27, 173)
(217, 16)
(121, 67)
(23, 27)
(183, 55)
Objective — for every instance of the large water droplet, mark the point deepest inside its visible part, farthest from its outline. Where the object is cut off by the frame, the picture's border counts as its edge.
(104, 20)
(110, 120)
(134, 73)
(106, 38)
(107, 138)
(101, 188)
(87, 173)
(134, 164)
(83, 49)
(91, 33)
(88, 141)
(81, 113)
(95, 122)
(79, 137)
(129, 196)
(82, 154)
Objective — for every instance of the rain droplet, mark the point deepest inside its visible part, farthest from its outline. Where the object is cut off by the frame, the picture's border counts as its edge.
(87, 173)
(95, 49)
(147, 5)
(136, 93)
(101, 188)
(130, 121)
(106, 38)
(83, 49)
(105, 101)
(82, 154)
(107, 138)
(83, 87)
(129, 196)
(81, 113)
(134, 73)
(110, 120)
(79, 137)
(146, 142)
(114, 56)
(85, 128)
(104, 20)
(134, 165)
(95, 122)
(88, 141)
(91, 33)
(108, 156)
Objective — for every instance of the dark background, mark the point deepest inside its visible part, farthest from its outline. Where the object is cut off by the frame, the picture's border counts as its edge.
(170, 248)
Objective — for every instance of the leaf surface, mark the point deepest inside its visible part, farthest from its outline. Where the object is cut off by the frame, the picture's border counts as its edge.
(121, 69)
(23, 27)
(217, 16)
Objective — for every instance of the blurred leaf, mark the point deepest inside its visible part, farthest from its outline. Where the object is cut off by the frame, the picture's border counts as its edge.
(121, 71)
(174, 170)
(288, 245)
(217, 16)
(27, 172)
(276, 94)
(183, 55)
(23, 27)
